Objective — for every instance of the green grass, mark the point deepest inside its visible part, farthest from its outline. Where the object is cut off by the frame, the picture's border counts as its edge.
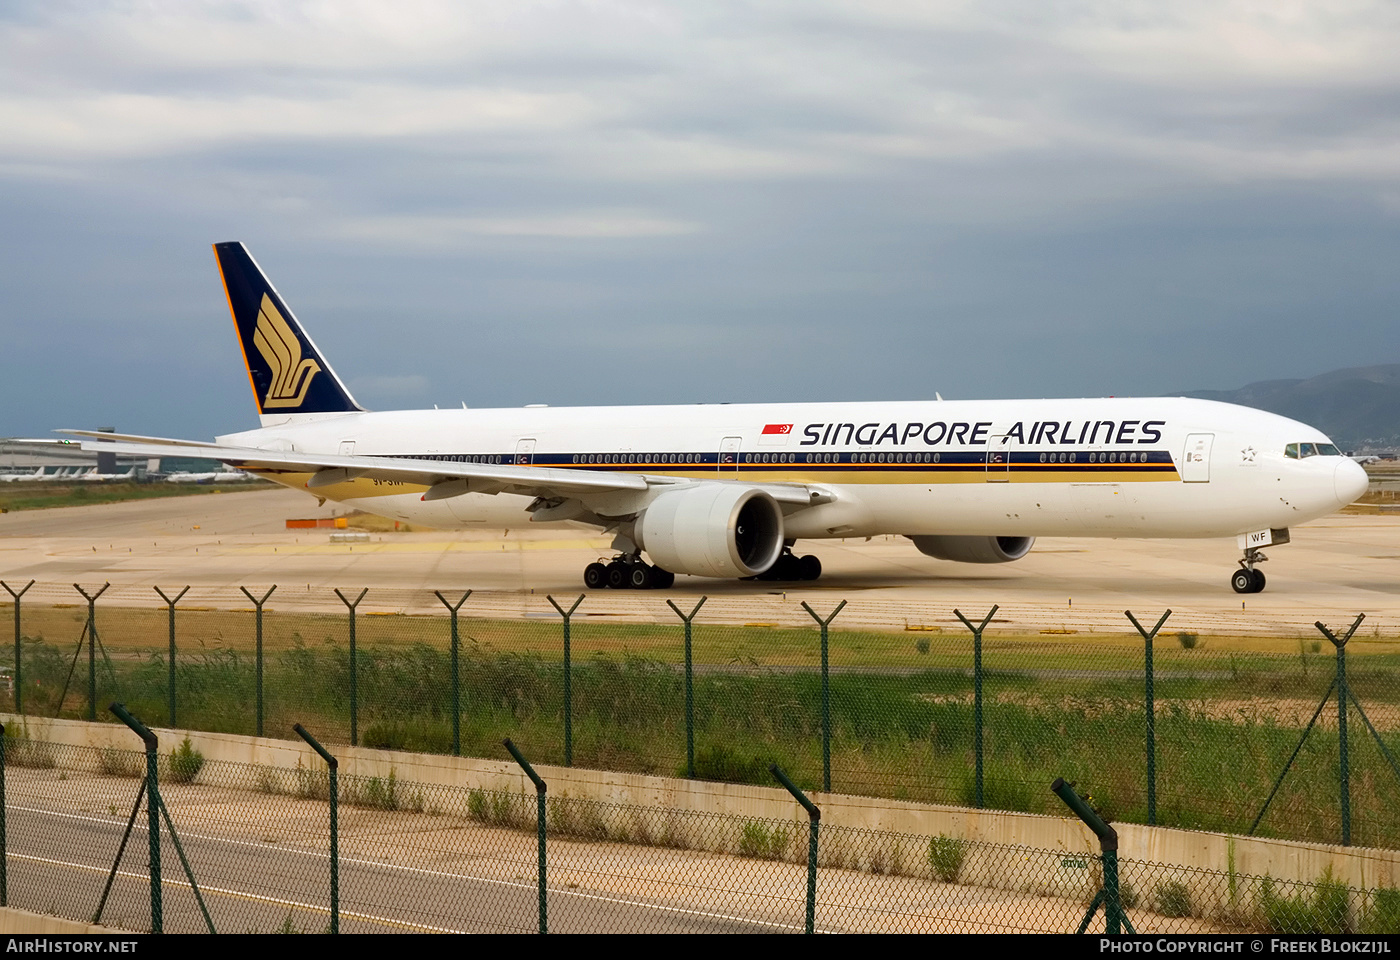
(906, 736)
(42, 496)
(902, 722)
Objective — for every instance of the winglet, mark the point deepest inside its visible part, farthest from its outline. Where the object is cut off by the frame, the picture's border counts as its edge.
(287, 372)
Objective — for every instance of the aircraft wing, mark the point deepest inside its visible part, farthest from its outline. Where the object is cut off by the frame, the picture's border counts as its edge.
(444, 478)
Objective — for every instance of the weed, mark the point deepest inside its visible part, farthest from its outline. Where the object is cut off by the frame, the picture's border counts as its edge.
(945, 857)
(1188, 641)
(120, 763)
(185, 763)
(379, 794)
(761, 842)
(921, 645)
(23, 752)
(578, 818)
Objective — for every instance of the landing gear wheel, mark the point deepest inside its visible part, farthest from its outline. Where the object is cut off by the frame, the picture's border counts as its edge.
(1242, 580)
(1258, 577)
(640, 577)
(595, 576)
(618, 575)
(809, 568)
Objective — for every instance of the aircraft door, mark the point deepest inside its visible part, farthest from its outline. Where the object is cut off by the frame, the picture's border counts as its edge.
(729, 456)
(999, 458)
(1195, 464)
(525, 452)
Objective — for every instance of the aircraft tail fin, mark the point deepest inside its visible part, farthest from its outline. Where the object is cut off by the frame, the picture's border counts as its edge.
(288, 374)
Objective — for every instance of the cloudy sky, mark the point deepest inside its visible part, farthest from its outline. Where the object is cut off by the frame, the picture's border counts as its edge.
(600, 202)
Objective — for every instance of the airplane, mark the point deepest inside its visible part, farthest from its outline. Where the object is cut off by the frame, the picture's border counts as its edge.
(726, 490)
(38, 474)
(216, 476)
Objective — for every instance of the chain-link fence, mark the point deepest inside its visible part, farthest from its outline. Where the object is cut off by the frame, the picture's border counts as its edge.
(418, 857)
(934, 705)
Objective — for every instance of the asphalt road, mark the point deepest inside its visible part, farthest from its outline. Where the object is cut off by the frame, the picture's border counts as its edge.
(60, 858)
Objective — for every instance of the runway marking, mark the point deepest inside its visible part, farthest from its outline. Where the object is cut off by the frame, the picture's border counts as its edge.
(421, 871)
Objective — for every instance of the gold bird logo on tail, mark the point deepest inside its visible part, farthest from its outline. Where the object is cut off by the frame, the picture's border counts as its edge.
(279, 346)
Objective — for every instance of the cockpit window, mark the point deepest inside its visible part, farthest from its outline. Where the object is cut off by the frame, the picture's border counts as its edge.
(1298, 451)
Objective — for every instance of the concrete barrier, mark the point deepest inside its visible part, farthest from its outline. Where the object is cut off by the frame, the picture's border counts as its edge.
(23, 923)
(1226, 854)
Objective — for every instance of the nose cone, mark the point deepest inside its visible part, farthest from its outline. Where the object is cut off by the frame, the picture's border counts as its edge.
(1350, 481)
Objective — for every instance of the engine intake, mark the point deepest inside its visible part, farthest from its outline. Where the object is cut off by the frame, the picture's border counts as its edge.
(975, 549)
(712, 530)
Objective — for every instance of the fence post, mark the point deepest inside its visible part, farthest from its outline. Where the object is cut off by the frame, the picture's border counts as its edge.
(19, 674)
(152, 807)
(1344, 773)
(456, 683)
(258, 650)
(689, 689)
(540, 788)
(335, 834)
(354, 669)
(814, 816)
(92, 646)
(170, 694)
(568, 676)
(826, 693)
(1115, 919)
(4, 850)
(1151, 717)
(977, 695)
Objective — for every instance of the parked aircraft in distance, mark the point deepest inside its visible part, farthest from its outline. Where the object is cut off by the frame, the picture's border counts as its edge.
(38, 474)
(216, 476)
(727, 490)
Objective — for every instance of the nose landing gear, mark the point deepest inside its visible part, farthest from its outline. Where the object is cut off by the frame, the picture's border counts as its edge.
(1247, 579)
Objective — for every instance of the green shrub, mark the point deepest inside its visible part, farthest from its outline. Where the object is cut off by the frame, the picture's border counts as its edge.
(1325, 911)
(1383, 916)
(1173, 899)
(945, 857)
(721, 763)
(761, 842)
(185, 762)
(1188, 641)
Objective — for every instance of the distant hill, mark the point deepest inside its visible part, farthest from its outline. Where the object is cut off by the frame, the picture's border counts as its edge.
(1359, 407)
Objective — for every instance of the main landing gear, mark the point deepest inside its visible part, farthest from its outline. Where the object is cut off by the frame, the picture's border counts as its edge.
(627, 573)
(788, 566)
(1247, 579)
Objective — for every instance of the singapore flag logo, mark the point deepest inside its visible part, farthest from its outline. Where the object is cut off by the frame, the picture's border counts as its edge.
(780, 429)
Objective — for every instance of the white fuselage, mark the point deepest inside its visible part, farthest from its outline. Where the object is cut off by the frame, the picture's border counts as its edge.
(1164, 467)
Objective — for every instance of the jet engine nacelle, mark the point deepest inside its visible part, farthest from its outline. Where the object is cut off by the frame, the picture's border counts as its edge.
(712, 530)
(975, 549)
